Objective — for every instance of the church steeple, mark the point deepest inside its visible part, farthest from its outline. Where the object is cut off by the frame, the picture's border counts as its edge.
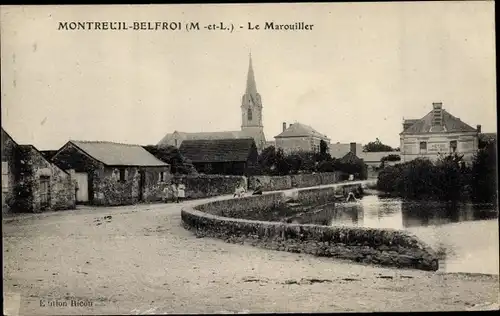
(251, 86)
(251, 110)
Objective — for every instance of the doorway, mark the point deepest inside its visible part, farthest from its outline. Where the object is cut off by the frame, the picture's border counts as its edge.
(142, 182)
(82, 192)
(44, 192)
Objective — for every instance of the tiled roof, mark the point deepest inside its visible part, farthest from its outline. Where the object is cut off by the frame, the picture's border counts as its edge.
(376, 156)
(198, 136)
(411, 121)
(450, 124)
(300, 130)
(217, 150)
(350, 157)
(115, 154)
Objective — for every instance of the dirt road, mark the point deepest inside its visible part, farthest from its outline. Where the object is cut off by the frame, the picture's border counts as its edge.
(139, 260)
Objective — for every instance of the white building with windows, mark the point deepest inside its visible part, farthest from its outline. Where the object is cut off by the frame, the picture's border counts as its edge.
(438, 133)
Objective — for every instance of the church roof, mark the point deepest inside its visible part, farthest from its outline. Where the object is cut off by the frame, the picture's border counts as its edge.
(217, 150)
(251, 85)
(115, 154)
(449, 124)
(201, 136)
(300, 130)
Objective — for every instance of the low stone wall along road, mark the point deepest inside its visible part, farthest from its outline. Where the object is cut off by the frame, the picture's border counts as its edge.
(140, 260)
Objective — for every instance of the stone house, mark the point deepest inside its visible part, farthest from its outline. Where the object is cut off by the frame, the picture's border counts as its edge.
(31, 183)
(110, 173)
(437, 133)
(299, 137)
(221, 156)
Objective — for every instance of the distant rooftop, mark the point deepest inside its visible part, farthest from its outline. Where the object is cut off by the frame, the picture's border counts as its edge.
(300, 130)
(116, 154)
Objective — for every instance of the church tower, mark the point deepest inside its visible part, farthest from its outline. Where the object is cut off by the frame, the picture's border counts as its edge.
(251, 111)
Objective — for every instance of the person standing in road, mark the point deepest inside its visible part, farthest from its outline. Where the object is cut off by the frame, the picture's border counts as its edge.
(181, 191)
(175, 192)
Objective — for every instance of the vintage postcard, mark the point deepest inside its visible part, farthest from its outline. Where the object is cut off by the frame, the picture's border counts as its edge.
(249, 158)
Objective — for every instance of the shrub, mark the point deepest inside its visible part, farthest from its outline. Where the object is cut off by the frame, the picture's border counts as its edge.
(447, 179)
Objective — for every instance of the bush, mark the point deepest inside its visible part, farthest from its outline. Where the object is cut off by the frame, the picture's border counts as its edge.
(483, 182)
(447, 179)
(274, 162)
(391, 157)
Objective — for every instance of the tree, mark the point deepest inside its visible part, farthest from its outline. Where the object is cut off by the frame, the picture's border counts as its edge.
(391, 157)
(377, 146)
(282, 166)
(484, 173)
(267, 160)
(172, 156)
(323, 152)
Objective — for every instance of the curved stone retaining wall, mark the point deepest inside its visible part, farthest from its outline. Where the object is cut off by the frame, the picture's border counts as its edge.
(379, 246)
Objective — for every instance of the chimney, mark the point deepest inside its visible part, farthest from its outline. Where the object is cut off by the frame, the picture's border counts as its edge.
(284, 126)
(478, 128)
(353, 148)
(437, 113)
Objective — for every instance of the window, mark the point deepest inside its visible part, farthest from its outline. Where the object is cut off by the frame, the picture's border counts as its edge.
(123, 175)
(249, 114)
(44, 191)
(175, 142)
(423, 147)
(161, 176)
(5, 176)
(453, 146)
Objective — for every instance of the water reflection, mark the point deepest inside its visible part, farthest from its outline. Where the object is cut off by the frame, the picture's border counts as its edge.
(465, 235)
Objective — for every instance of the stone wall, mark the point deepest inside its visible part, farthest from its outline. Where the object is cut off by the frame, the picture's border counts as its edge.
(153, 186)
(109, 190)
(275, 183)
(271, 183)
(33, 168)
(62, 184)
(222, 219)
(201, 186)
(9, 150)
(238, 208)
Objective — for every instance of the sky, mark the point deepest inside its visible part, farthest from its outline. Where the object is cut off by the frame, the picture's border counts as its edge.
(354, 76)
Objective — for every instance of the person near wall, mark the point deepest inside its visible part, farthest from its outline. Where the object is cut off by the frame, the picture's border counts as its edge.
(181, 188)
(258, 188)
(166, 193)
(175, 193)
(240, 190)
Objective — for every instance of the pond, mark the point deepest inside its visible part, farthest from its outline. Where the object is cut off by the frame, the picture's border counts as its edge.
(465, 236)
